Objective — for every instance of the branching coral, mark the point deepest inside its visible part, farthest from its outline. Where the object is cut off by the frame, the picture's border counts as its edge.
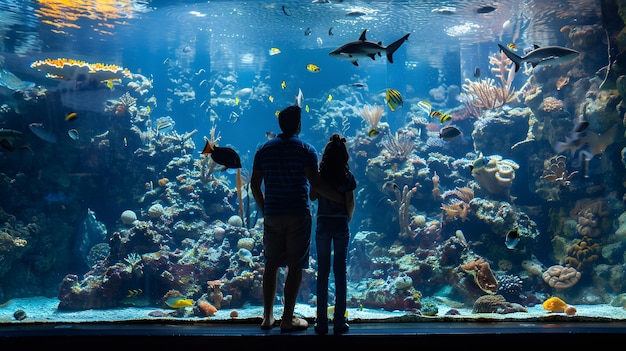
(124, 104)
(485, 93)
(372, 114)
(399, 146)
(403, 204)
(459, 207)
(132, 259)
(464, 193)
(456, 209)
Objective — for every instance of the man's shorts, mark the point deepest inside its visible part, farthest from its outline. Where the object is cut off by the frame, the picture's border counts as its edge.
(286, 240)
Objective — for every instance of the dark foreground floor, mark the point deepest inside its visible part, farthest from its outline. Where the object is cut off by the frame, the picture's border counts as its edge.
(489, 335)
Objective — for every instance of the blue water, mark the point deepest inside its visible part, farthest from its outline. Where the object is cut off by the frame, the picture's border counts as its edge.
(209, 65)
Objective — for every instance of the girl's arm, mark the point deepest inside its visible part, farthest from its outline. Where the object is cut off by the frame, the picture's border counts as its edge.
(349, 196)
(313, 194)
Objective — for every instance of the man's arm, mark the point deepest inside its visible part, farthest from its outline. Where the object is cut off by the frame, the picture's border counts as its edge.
(255, 184)
(321, 187)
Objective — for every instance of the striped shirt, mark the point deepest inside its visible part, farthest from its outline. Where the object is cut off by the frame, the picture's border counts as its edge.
(286, 185)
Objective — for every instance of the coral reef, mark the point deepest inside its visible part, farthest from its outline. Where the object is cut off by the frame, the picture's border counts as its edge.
(554, 304)
(560, 277)
(484, 93)
(372, 115)
(483, 276)
(592, 216)
(189, 231)
(583, 254)
(496, 304)
(72, 69)
(496, 176)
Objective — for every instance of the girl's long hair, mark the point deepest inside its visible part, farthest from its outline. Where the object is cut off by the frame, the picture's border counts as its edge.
(334, 165)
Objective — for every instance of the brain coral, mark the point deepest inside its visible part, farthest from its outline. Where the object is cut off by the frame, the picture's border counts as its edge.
(128, 217)
(245, 243)
(496, 304)
(497, 175)
(560, 277)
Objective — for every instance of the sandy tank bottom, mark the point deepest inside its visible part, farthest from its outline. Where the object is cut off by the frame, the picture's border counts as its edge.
(44, 310)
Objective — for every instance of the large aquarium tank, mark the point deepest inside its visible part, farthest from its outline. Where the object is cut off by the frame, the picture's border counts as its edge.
(486, 139)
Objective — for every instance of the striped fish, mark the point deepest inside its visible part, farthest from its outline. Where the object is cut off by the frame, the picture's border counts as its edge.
(393, 99)
(443, 118)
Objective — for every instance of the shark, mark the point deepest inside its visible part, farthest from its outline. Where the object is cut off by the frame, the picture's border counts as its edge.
(362, 48)
(541, 56)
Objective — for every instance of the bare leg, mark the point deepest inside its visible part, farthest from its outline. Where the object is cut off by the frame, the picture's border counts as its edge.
(292, 288)
(270, 277)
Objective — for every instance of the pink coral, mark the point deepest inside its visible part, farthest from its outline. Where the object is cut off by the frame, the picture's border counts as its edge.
(560, 277)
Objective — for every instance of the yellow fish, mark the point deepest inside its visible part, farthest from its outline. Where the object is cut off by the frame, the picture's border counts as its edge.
(271, 98)
(178, 302)
(443, 118)
(134, 293)
(312, 68)
(512, 46)
(277, 113)
(283, 84)
(72, 116)
(393, 99)
(425, 106)
(274, 51)
(236, 100)
(110, 85)
(331, 311)
(330, 98)
(148, 109)
(125, 142)
(373, 132)
(306, 108)
(164, 127)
